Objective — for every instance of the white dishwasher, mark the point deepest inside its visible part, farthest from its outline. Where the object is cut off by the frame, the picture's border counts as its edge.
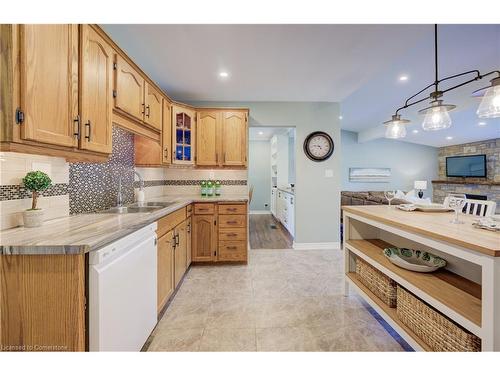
(122, 292)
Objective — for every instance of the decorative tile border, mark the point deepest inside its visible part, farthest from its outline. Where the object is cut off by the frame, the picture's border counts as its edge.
(187, 183)
(11, 192)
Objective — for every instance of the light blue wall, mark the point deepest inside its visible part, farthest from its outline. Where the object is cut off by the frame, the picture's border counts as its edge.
(317, 203)
(259, 174)
(408, 162)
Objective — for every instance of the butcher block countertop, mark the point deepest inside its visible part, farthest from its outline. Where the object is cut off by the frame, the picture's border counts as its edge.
(436, 225)
(87, 232)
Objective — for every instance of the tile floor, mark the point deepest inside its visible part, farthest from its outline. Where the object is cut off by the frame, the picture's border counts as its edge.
(283, 300)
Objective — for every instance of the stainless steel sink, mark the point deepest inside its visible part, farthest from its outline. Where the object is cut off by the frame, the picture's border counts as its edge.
(137, 208)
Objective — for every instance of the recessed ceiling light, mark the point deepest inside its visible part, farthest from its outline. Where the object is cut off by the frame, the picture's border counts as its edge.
(481, 123)
(223, 74)
(449, 138)
(414, 131)
(261, 133)
(340, 117)
(403, 78)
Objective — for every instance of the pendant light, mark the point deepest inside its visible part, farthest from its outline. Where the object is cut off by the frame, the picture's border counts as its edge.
(396, 127)
(490, 104)
(437, 115)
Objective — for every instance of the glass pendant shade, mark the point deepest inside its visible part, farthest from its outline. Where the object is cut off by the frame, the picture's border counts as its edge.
(395, 128)
(490, 104)
(436, 116)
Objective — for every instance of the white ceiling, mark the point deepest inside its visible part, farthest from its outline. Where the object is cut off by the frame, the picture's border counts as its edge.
(357, 65)
(267, 132)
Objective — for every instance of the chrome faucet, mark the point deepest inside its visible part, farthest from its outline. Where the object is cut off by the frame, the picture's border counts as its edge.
(119, 197)
(141, 180)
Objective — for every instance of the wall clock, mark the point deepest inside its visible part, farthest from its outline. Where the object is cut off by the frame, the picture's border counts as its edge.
(318, 146)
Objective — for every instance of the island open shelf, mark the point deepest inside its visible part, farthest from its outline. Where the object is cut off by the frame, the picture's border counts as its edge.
(466, 292)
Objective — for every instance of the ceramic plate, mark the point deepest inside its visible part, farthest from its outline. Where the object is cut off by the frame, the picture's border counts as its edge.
(414, 260)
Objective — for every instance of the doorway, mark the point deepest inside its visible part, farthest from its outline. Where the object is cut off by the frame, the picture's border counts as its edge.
(271, 176)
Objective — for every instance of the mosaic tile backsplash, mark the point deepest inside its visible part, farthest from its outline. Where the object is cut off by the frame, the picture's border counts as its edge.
(93, 186)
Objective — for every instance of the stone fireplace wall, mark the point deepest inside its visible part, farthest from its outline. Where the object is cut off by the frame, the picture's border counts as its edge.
(480, 186)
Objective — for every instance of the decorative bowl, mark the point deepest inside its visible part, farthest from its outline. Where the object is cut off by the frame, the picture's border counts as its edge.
(414, 260)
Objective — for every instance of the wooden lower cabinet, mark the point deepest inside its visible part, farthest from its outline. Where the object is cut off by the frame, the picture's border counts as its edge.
(220, 232)
(204, 245)
(180, 250)
(165, 271)
(42, 302)
(188, 241)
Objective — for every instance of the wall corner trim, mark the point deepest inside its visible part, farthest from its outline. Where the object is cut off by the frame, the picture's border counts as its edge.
(316, 245)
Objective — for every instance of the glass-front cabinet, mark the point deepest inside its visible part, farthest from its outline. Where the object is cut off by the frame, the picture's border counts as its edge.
(183, 135)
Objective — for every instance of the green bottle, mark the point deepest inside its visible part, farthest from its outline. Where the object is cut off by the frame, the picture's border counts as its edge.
(218, 188)
(203, 188)
(210, 188)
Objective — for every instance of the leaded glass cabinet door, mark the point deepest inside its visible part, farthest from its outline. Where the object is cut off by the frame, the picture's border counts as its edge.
(183, 135)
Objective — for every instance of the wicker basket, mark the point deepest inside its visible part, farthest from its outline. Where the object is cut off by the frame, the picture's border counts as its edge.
(380, 284)
(436, 330)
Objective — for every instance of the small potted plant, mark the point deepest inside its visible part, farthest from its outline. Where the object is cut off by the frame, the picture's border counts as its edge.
(35, 182)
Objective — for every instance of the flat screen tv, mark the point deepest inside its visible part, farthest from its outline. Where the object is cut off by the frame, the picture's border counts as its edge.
(466, 166)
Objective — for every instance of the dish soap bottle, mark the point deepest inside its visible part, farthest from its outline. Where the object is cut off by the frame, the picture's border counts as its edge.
(210, 188)
(218, 188)
(203, 188)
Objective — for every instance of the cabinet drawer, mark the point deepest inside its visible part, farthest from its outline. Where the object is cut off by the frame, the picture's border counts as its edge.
(232, 209)
(189, 210)
(233, 250)
(170, 221)
(232, 221)
(204, 208)
(233, 234)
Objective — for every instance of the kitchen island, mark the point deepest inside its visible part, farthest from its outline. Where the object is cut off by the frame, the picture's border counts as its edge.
(467, 292)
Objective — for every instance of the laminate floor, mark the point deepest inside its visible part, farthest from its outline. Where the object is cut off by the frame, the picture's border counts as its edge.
(283, 300)
(267, 233)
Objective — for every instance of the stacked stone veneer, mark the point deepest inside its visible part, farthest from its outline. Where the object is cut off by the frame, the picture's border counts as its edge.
(491, 148)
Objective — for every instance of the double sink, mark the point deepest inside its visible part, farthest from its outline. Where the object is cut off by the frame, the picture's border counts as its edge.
(143, 207)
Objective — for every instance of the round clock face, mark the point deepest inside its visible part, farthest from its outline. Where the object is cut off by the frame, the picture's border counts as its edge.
(318, 146)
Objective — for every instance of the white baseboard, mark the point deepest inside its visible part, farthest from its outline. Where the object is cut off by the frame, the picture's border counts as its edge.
(316, 245)
(259, 212)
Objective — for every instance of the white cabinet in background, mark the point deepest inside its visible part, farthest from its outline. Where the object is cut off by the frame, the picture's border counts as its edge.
(273, 201)
(285, 210)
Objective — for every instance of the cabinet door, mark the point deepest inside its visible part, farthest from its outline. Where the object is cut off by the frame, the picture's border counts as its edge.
(153, 111)
(188, 241)
(147, 153)
(183, 135)
(204, 242)
(180, 252)
(165, 268)
(166, 135)
(129, 86)
(206, 138)
(234, 138)
(96, 91)
(49, 83)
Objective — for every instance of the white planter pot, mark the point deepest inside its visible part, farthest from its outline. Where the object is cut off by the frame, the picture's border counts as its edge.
(33, 218)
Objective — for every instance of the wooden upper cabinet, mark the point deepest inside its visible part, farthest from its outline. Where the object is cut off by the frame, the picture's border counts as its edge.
(234, 138)
(204, 238)
(207, 127)
(49, 83)
(166, 135)
(183, 133)
(129, 86)
(153, 111)
(96, 91)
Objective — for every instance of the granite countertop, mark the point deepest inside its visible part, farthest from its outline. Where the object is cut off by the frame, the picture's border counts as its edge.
(88, 232)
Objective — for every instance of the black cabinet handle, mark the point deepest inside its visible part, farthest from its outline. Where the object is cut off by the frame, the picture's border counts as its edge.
(77, 122)
(89, 125)
(143, 108)
(147, 111)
